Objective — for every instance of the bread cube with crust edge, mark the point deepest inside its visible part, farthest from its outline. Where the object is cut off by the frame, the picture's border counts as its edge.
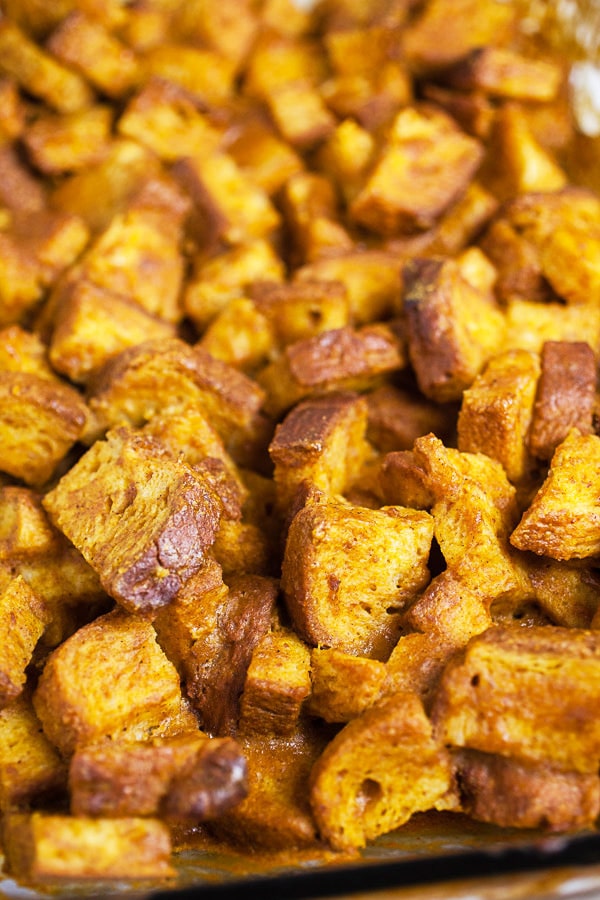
(515, 794)
(23, 619)
(531, 693)
(562, 520)
(348, 572)
(140, 517)
(453, 326)
(145, 699)
(44, 848)
(378, 771)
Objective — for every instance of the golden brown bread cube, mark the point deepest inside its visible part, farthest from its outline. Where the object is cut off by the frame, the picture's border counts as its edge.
(567, 592)
(417, 662)
(424, 169)
(342, 359)
(346, 156)
(453, 327)
(343, 685)
(505, 73)
(261, 153)
(43, 847)
(276, 814)
(24, 526)
(39, 73)
(321, 441)
(530, 324)
(47, 417)
(216, 281)
(403, 482)
(203, 73)
(565, 395)
(378, 771)
(348, 572)
(145, 699)
(279, 59)
(92, 324)
(516, 794)
(188, 777)
(277, 683)
(54, 239)
(210, 631)
(98, 192)
(561, 520)
(24, 351)
(301, 309)
(446, 30)
(228, 27)
(20, 287)
(517, 163)
(300, 114)
(240, 335)
(31, 769)
(312, 216)
(163, 117)
(12, 116)
(168, 376)
(372, 278)
(228, 206)
(88, 47)
(67, 143)
(141, 518)
(530, 693)
(23, 619)
(497, 410)
(398, 415)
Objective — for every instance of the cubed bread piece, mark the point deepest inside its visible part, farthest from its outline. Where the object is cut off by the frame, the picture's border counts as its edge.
(276, 814)
(41, 847)
(228, 206)
(92, 324)
(278, 59)
(398, 415)
(403, 482)
(57, 144)
(446, 30)
(20, 283)
(98, 192)
(378, 771)
(300, 114)
(240, 335)
(23, 618)
(31, 769)
(517, 162)
(505, 73)
(346, 155)
(45, 417)
(321, 442)
(261, 153)
(298, 310)
(562, 519)
(138, 256)
(312, 216)
(88, 47)
(569, 593)
(497, 409)
(453, 327)
(529, 324)
(226, 276)
(12, 117)
(343, 685)
(186, 778)
(38, 73)
(24, 527)
(516, 794)
(164, 118)
(141, 518)
(203, 73)
(417, 662)
(343, 359)
(118, 649)
(54, 239)
(229, 27)
(168, 376)
(453, 607)
(372, 278)
(348, 572)
(210, 631)
(565, 395)
(531, 693)
(423, 169)
(276, 686)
